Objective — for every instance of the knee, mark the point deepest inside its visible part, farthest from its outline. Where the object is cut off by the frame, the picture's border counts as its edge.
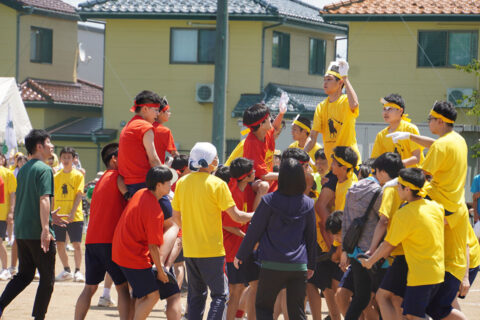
(263, 187)
(76, 246)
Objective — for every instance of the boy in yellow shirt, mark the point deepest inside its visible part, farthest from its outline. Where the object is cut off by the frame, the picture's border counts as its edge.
(419, 227)
(301, 128)
(344, 161)
(69, 185)
(446, 162)
(394, 114)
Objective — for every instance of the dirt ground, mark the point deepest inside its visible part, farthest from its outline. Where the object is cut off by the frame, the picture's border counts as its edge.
(65, 295)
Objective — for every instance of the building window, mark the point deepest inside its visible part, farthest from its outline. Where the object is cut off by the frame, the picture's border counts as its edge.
(446, 48)
(41, 43)
(192, 46)
(281, 50)
(316, 63)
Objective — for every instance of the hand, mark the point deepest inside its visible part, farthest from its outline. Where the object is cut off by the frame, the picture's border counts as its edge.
(45, 239)
(161, 275)
(464, 287)
(282, 105)
(310, 273)
(237, 263)
(365, 263)
(10, 218)
(324, 180)
(399, 135)
(343, 261)
(343, 67)
(70, 217)
(57, 218)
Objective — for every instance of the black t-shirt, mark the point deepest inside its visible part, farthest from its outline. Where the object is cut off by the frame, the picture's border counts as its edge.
(332, 181)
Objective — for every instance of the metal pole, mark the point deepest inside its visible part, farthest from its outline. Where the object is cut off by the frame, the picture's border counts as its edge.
(221, 63)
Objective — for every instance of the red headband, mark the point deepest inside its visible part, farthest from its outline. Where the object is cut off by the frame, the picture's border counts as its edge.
(166, 108)
(251, 125)
(243, 176)
(149, 105)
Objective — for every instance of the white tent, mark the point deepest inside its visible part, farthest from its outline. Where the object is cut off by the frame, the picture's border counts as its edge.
(14, 121)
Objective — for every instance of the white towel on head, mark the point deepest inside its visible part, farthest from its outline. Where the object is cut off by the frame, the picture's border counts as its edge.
(202, 155)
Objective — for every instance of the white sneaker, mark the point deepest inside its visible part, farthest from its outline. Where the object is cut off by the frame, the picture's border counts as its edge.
(64, 276)
(37, 275)
(78, 277)
(5, 275)
(106, 302)
(12, 270)
(70, 248)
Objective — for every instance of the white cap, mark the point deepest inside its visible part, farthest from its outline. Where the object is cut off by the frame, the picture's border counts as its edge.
(202, 155)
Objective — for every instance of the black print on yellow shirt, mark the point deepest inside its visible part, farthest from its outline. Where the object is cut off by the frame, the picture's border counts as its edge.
(331, 127)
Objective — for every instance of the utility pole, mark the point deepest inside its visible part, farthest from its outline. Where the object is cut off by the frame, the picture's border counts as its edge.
(220, 86)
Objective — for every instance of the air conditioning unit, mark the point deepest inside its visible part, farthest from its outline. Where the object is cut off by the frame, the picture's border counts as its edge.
(456, 96)
(204, 92)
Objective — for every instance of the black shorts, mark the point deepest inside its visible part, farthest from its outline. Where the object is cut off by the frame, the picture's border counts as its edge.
(98, 260)
(347, 280)
(325, 272)
(417, 298)
(144, 281)
(441, 304)
(180, 257)
(248, 271)
(74, 229)
(3, 229)
(395, 279)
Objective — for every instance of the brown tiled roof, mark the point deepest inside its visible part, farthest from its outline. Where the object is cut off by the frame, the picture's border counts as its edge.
(386, 7)
(52, 5)
(82, 92)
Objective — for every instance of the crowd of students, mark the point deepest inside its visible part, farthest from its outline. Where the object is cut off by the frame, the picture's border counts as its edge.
(268, 232)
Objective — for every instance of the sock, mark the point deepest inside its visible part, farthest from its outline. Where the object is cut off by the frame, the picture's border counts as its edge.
(106, 293)
(67, 269)
(77, 269)
(239, 313)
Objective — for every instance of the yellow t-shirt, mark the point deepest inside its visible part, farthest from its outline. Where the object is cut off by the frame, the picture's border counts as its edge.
(236, 153)
(321, 242)
(336, 122)
(311, 153)
(341, 191)
(10, 186)
(456, 242)
(404, 148)
(67, 186)
(200, 198)
(391, 202)
(419, 227)
(446, 161)
(474, 248)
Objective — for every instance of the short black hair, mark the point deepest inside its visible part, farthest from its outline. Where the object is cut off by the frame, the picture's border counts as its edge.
(254, 113)
(390, 162)
(397, 99)
(157, 174)
(146, 96)
(180, 162)
(297, 154)
(365, 168)
(108, 152)
(68, 150)
(347, 154)
(34, 137)
(163, 103)
(333, 224)
(305, 121)
(223, 173)
(240, 167)
(413, 175)
(291, 178)
(320, 153)
(446, 109)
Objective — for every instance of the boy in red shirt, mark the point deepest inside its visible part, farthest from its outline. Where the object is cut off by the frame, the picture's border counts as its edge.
(106, 208)
(138, 240)
(163, 136)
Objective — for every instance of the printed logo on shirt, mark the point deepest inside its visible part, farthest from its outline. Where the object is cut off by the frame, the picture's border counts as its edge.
(65, 189)
(332, 129)
(269, 158)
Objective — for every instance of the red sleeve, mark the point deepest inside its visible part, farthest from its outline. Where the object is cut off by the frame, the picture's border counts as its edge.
(253, 150)
(170, 143)
(154, 223)
(144, 126)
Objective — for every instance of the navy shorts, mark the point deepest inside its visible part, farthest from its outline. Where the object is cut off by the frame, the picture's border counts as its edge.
(441, 304)
(74, 229)
(325, 272)
(395, 279)
(472, 274)
(248, 271)
(347, 280)
(133, 188)
(98, 260)
(417, 299)
(144, 281)
(164, 201)
(3, 229)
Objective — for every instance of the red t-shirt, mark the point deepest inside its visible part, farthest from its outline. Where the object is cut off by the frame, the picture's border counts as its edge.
(141, 224)
(260, 152)
(163, 140)
(105, 209)
(133, 162)
(244, 201)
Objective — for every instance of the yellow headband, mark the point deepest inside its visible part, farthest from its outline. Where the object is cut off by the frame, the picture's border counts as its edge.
(333, 73)
(344, 163)
(421, 191)
(301, 125)
(435, 114)
(396, 106)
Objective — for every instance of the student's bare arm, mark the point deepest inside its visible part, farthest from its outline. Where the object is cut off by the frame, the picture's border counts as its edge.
(122, 187)
(170, 233)
(311, 140)
(148, 143)
(380, 231)
(413, 160)
(351, 94)
(234, 230)
(383, 251)
(12, 207)
(277, 124)
(465, 284)
(321, 207)
(239, 216)
(422, 140)
(46, 236)
(475, 196)
(177, 218)
(76, 203)
(271, 176)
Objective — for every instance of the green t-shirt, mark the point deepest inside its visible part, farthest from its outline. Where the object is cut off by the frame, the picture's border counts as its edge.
(34, 180)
